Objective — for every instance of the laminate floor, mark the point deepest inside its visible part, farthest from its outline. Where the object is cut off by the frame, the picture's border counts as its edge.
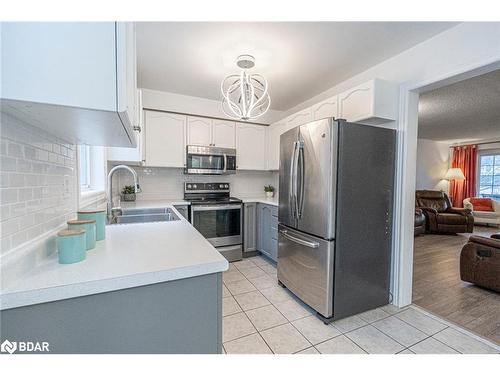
(438, 289)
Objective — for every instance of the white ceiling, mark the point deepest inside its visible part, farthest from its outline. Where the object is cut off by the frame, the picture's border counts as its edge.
(299, 59)
(465, 111)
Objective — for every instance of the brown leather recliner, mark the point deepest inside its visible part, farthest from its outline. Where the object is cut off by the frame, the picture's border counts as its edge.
(419, 222)
(440, 216)
(480, 262)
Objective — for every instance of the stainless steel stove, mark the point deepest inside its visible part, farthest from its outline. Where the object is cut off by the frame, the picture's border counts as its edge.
(217, 216)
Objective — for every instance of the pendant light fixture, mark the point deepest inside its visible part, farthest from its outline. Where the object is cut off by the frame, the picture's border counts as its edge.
(245, 96)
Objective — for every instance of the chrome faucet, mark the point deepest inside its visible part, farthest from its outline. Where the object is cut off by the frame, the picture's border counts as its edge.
(110, 187)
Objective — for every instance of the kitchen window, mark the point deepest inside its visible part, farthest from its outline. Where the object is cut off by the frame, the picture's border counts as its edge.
(489, 175)
(84, 167)
(91, 174)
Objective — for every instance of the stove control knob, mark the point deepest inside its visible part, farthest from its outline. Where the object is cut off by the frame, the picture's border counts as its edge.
(189, 186)
(195, 186)
(221, 186)
(226, 186)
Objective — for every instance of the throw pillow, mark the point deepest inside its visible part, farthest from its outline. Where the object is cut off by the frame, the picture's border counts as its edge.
(482, 204)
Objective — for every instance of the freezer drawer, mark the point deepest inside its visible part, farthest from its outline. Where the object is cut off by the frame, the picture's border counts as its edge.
(305, 267)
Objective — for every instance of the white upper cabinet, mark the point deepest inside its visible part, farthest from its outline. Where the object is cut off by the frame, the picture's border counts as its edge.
(165, 142)
(127, 73)
(327, 108)
(373, 103)
(129, 155)
(273, 152)
(299, 118)
(251, 146)
(203, 131)
(132, 155)
(199, 131)
(74, 80)
(223, 134)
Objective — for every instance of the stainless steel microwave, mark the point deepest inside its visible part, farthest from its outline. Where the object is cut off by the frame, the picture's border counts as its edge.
(210, 160)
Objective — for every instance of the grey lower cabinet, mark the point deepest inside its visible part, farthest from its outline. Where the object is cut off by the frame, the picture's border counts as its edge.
(267, 232)
(183, 210)
(181, 316)
(250, 227)
(260, 229)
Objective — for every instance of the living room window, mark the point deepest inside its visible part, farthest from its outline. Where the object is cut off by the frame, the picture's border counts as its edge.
(489, 175)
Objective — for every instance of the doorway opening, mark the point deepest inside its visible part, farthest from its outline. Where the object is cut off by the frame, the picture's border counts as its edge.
(456, 272)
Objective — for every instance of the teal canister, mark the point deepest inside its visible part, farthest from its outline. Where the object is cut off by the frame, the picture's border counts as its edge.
(100, 221)
(71, 246)
(89, 227)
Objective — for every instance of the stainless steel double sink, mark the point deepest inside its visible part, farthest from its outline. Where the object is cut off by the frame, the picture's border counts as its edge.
(142, 215)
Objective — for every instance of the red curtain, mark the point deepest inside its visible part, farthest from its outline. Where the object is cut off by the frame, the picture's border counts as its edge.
(465, 158)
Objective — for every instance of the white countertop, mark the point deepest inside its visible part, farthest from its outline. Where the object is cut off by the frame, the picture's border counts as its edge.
(154, 203)
(271, 201)
(165, 203)
(131, 255)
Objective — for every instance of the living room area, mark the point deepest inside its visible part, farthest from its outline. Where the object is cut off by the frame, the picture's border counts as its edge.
(456, 264)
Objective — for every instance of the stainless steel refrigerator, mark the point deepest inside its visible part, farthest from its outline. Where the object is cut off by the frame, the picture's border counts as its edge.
(336, 187)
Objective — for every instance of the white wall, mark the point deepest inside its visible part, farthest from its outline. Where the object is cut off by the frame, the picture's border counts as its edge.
(433, 159)
(168, 183)
(167, 101)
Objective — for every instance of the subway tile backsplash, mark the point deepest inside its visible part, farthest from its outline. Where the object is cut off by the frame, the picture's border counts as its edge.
(38, 188)
(168, 183)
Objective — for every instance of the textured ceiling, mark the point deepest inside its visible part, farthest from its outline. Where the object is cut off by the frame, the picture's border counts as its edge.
(465, 111)
(299, 59)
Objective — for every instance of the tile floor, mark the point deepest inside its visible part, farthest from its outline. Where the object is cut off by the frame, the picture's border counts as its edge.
(260, 317)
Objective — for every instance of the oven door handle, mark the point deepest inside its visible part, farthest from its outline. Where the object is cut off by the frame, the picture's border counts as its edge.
(217, 208)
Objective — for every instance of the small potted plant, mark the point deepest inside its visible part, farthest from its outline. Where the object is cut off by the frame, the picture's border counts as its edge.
(128, 193)
(269, 189)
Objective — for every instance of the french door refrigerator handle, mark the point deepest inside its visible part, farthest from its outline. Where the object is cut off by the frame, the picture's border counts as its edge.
(295, 179)
(225, 163)
(300, 161)
(291, 182)
(311, 244)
